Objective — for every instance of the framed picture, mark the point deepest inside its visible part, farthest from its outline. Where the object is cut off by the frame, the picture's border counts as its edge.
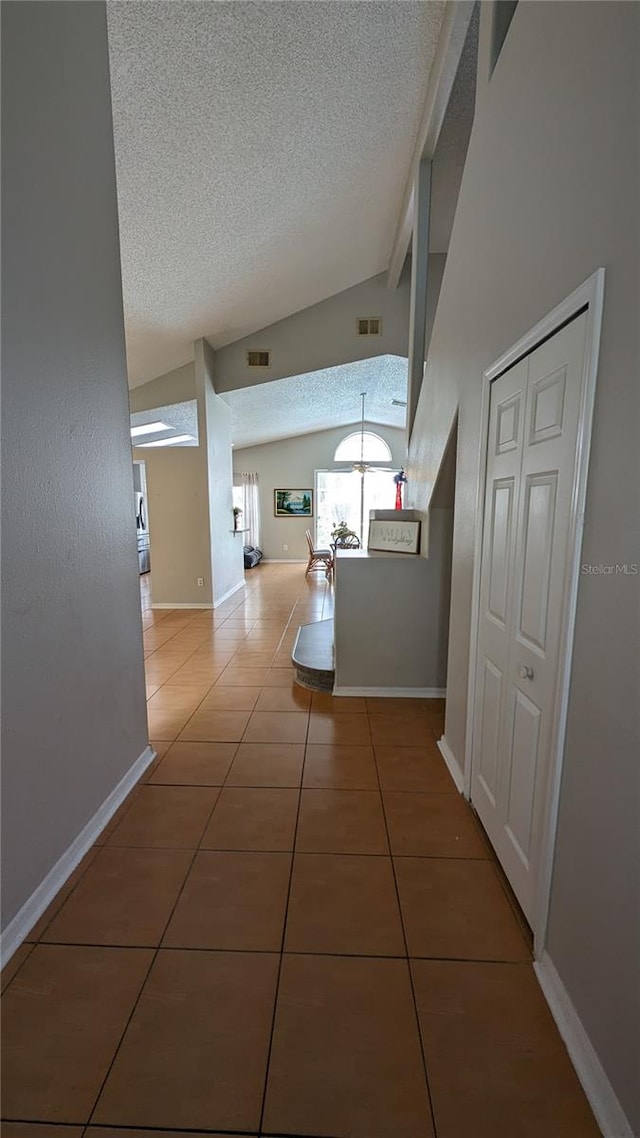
(293, 503)
(394, 536)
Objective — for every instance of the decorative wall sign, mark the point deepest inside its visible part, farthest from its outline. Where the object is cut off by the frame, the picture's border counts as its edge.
(394, 537)
(293, 503)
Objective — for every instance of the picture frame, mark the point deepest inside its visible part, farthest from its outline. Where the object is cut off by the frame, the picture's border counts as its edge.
(394, 536)
(293, 503)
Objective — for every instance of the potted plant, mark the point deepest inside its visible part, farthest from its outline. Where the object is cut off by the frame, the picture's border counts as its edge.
(236, 517)
(342, 530)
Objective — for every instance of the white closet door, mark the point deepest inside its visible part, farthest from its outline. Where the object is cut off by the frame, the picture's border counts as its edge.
(531, 463)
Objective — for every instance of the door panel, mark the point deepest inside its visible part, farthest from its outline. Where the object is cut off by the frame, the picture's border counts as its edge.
(531, 462)
(491, 704)
(500, 545)
(524, 738)
(547, 407)
(539, 527)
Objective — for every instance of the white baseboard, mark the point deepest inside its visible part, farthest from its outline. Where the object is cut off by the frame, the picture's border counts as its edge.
(35, 905)
(181, 605)
(284, 560)
(393, 693)
(603, 1101)
(229, 593)
(453, 765)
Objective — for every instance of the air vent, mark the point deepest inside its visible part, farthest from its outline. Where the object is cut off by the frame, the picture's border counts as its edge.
(369, 325)
(258, 359)
(398, 403)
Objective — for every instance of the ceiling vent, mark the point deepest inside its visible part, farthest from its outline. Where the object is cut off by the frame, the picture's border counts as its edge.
(369, 325)
(258, 359)
(398, 403)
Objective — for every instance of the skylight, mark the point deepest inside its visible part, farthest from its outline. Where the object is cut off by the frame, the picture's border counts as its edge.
(149, 429)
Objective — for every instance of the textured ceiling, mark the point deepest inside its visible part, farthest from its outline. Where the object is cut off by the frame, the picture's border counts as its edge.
(261, 155)
(319, 400)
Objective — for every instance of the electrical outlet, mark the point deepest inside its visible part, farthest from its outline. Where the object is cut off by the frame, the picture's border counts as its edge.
(285, 547)
(200, 582)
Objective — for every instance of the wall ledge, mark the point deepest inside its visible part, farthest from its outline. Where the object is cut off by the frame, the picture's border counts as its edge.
(180, 605)
(392, 693)
(43, 895)
(601, 1096)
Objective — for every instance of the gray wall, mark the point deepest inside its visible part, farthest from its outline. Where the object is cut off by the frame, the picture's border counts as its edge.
(549, 193)
(322, 335)
(73, 686)
(392, 615)
(292, 463)
(178, 525)
(178, 500)
(214, 416)
(176, 386)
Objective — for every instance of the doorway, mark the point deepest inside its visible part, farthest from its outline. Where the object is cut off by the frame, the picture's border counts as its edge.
(537, 411)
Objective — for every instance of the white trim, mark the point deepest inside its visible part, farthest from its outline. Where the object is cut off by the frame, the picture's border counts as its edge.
(453, 766)
(590, 294)
(181, 605)
(601, 1096)
(283, 561)
(229, 593)
(393, 693)
(43, 895)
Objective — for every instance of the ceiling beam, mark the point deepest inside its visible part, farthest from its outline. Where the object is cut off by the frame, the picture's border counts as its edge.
(455, 25)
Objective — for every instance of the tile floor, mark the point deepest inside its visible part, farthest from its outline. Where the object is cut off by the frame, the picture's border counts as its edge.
(294, 926)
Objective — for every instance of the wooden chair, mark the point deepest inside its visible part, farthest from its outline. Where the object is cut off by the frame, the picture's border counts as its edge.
(318, 558)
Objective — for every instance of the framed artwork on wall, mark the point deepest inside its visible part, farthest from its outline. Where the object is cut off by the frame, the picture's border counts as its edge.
(293, 503)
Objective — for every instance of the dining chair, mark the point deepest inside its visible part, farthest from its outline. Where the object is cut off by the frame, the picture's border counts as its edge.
(318, 558)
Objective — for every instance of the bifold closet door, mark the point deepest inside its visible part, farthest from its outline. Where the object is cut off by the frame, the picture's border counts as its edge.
(531, 461)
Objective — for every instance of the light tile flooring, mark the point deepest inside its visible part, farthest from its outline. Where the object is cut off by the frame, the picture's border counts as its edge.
(293, 927)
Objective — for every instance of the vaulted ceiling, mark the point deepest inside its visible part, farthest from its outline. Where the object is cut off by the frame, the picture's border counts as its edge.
(261, 154)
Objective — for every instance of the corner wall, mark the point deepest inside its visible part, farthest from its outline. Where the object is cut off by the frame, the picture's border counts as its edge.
(74, 717)
(214, 417)
(550, 193)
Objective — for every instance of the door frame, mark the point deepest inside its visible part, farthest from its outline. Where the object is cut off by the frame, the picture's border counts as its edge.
(588, 296)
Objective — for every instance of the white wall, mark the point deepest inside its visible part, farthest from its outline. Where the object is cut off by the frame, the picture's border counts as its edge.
(73, 686)
(292, 463)
(550, 193)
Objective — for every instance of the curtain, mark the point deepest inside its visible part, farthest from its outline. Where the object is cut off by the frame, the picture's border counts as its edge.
(250, 508)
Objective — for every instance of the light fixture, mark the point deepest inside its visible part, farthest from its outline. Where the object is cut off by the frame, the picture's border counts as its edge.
(172, 441)
(149, 429)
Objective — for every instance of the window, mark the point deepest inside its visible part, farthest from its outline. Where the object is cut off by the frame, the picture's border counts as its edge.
(346, 496)
(375, 448)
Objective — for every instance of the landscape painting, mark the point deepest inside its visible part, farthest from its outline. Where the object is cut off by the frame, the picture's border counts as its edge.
(293, 503)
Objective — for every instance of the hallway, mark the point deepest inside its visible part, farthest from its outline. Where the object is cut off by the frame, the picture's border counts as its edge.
(294, 926)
